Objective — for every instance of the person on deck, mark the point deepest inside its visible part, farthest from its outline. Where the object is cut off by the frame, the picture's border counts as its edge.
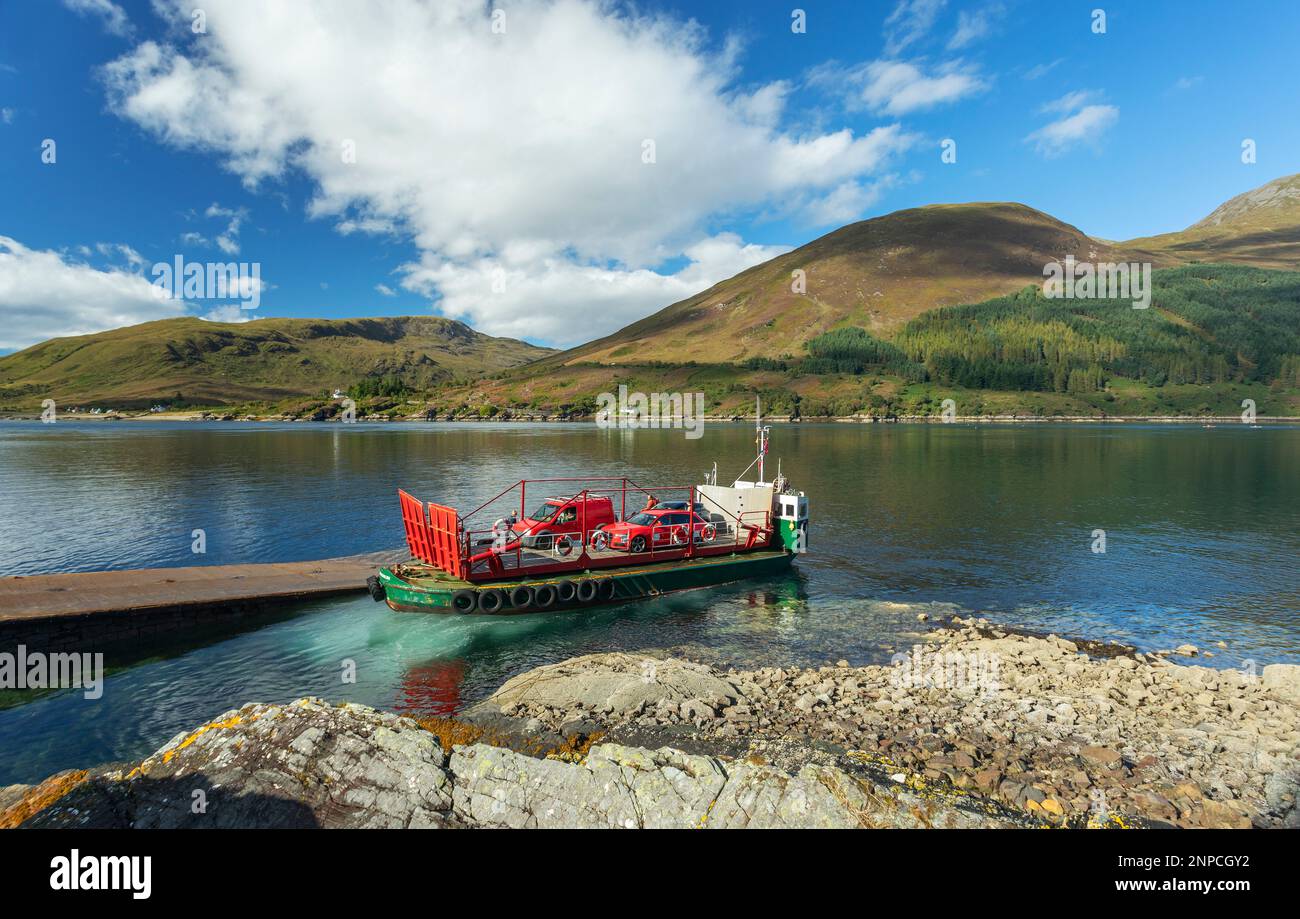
(650, 502)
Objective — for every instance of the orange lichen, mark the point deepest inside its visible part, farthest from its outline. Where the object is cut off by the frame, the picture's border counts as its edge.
(452, 732)
(210, 726)
(36, 799)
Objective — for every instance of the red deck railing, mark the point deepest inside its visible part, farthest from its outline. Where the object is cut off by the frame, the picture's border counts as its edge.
(438, 535)
(435, 536)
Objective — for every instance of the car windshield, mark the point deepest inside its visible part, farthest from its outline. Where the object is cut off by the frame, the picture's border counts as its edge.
(643, 520)
(545, 512)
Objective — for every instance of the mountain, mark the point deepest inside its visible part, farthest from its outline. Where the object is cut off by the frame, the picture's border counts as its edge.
(1213, 337)
(265, 359)
(1260, 227)
(880, 273)
(876, 274)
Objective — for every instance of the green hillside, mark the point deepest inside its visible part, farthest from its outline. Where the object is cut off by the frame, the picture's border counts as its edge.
(1206, 324)
(1213, 336)
(881, 273)
(214, 363)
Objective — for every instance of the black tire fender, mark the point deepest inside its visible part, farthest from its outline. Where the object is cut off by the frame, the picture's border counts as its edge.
(566, 591)
(605, 589)
(586, 590)
(464, 600)
(521, 597)
(544, 596)
(491, 601)
(377, 592)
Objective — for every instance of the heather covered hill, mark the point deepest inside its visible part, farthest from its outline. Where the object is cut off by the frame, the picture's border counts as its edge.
(876, 274)
(266, 359)
(1260, 227)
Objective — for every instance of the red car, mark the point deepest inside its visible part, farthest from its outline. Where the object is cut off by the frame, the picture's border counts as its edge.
(561, 517)
(657, 528)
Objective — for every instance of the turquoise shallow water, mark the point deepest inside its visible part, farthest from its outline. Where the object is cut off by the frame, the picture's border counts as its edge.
(1201, 547)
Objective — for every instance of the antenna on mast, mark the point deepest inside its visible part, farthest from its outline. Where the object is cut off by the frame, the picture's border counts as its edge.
(762, 432)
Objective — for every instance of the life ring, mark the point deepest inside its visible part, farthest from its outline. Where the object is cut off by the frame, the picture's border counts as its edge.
(566, 591)
(544, 596)
(677, 535)
(605, 589)
(600, 540)
(491, 601)
(563, 546)
(464, 601)
(710, 532)
(587, 590)
(521, 597)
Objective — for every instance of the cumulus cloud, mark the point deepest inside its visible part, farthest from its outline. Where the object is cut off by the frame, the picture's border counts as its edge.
(580, 149)
(229, 313)
(848, 202)
(44, 294)
(1081, 121)
(113, 16)
(385, 290)
(519, 296)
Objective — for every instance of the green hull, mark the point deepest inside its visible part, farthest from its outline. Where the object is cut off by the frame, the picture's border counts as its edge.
(423, 589)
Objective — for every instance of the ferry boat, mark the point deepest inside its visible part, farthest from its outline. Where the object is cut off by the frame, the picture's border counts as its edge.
(590, 542)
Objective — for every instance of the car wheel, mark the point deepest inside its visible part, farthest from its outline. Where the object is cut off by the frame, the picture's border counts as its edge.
(637, 544)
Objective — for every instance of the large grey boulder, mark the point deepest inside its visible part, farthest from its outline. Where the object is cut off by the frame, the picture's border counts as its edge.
(614, 683)
(1283, 680)
(305, 764)
(628, 787)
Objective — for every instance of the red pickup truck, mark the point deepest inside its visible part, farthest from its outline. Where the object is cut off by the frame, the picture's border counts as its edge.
(563, 517)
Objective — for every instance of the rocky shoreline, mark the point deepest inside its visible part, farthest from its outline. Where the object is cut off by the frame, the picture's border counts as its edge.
(979, 726)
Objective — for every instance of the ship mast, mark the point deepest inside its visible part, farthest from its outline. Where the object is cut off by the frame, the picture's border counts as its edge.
(761, 439)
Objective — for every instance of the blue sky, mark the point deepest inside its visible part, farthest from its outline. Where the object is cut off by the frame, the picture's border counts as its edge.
(499, 170)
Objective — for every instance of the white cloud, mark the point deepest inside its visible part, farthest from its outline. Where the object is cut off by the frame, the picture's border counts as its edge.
(974, 25)
(229, 313)
(1041, 70)
(1070, 102)
(1185, 83)
(847, 203)
(899, 87)
(523, 148)
(385, 290)
(505, 297)
(114, 17)
(44, 295)
(228, 241)
(910, 21)
(1080, 122)
(7, 115)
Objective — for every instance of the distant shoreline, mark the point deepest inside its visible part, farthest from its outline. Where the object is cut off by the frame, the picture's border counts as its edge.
(206, 417)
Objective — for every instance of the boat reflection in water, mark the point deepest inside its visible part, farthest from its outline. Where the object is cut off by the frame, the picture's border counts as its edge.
(432, 689)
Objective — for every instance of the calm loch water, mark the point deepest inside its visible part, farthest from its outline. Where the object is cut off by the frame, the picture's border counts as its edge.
(1200, 528)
